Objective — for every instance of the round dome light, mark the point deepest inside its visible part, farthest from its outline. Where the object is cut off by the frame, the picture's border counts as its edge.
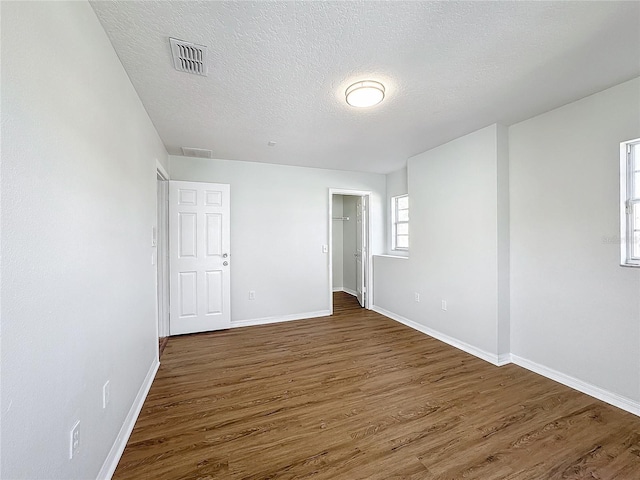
(366, 93)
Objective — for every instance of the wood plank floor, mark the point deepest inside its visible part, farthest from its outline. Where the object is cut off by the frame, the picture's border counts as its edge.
(359, 396)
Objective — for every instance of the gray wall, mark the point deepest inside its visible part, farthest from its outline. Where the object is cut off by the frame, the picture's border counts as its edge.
(78, 206)
(517, 230)
(279, 223)
(78, 196)
(455, 249)
(573, 308)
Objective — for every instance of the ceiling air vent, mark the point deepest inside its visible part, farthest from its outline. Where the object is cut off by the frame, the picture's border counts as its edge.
(189, 57)
(196, 152)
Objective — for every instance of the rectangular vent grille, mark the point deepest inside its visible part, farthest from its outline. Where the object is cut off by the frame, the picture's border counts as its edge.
(196, 152)
(189, 57)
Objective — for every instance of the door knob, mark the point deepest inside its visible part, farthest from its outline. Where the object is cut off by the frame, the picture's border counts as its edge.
(225, 255)
(225, 263)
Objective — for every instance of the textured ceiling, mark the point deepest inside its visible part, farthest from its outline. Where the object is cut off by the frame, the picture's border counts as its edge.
(278, 71)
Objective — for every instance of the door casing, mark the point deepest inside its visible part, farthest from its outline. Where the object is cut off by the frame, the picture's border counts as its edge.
(161, 239)
(368, 273)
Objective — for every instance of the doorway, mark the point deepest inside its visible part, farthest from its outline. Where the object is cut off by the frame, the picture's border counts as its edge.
(349, 260)
(161, 241)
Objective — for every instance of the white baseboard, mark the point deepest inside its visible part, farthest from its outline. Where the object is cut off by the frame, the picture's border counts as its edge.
(611, 398)
(111, 462)
(346, 290)
(349, 291)
(465, 347)
(504, 359)
(277, 319)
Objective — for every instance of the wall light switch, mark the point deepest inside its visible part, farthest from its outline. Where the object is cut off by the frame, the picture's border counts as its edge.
(325, 248)
(106, 394)
(74, 440)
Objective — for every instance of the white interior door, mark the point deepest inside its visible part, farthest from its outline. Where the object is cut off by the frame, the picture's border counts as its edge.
(199, 241)
(361, 250)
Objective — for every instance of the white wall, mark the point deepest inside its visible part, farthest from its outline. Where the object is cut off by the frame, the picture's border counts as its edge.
(78, 198)
(279, 222)
(396, 185)
(337, 253)
(456, 223)
(537, 274)
(573, 308)
(349, 243)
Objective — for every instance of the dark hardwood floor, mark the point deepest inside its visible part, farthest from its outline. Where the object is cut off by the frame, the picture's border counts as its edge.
(359, 396)
(162, 343)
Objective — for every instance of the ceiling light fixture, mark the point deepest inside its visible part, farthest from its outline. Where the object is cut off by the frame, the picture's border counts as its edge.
(366, 93)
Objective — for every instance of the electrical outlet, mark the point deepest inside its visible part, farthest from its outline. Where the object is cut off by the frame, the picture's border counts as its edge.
(74, 440)
(444, 305)
(106, 394)
(416, 297)
(252, 294)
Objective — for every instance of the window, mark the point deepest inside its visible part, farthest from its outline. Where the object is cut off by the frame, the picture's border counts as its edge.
(630, 202)
(400, 222)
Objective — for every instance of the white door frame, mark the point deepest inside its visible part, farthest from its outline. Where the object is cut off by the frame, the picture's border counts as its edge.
(368, 280)
(162, 253)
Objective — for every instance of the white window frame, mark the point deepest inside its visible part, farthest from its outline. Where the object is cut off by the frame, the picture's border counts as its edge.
(629, 163)
(395, 222)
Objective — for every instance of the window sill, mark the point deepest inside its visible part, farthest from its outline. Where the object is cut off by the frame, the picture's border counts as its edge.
(402, 257)
(632, 265)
